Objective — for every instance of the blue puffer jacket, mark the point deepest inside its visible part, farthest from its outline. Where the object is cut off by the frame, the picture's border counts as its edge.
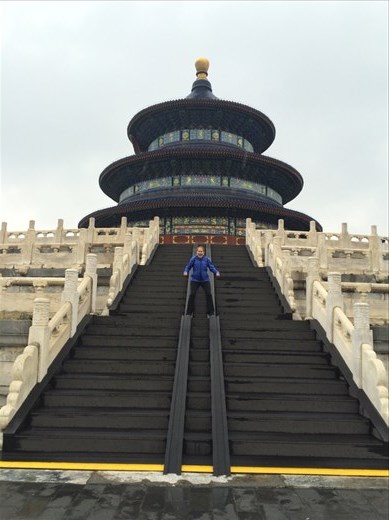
(200, 268)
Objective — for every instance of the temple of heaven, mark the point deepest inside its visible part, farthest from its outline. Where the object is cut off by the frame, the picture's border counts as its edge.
(198, 166)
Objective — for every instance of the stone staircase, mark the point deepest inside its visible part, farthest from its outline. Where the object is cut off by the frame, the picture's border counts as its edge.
(287, 405)
(110, 400)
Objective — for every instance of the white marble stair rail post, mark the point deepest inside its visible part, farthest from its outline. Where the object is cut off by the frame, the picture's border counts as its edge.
(287, 280)
(39, 334)
(369, 372)
(29, 243)
(116, 280)
(268, 241)
(313, 276)
(281, 230)
(91, 272)
(360, 335)
(151, 240)
(334, 299)
(322, 251)
(253, 242)
(375, 251)
(3, 233)
(276, 259)
(312, 235)
(122, 230)
(70, 295)
(59, 232)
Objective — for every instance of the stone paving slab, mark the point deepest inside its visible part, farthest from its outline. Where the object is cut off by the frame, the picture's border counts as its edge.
(94, 495)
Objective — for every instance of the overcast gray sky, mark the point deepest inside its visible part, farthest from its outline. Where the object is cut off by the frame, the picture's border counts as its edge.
(74, 73)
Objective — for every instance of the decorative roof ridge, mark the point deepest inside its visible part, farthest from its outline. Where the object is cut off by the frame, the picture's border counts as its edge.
(200, 101)
(260, 206)
(196, 153)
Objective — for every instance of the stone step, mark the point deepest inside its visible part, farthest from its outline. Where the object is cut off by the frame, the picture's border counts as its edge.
(129, 341)
(275, 345)
(126, 354)
(288, 370)
(291, 403)
(268, 356)
(285, 386)
(101, 418)
(254, 325)
(259, 335)
(117, 383)
(134, 368)
(280, 445)
(103, 398)
(74, 441)
(101, 330)
(135, 320)
(297, 422)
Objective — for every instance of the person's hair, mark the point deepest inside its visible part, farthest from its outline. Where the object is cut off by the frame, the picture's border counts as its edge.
(202, 246)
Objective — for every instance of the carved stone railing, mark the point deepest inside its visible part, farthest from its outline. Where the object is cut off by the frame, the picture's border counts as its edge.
(64, 247)
(48, 336)
(354, 342)
(343, 252)
(17, 293)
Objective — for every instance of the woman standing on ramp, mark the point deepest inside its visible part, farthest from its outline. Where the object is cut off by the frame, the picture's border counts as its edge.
(200, 278)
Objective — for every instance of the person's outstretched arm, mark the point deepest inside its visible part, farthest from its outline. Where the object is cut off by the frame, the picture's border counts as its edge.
(189, 266)
(213, 268)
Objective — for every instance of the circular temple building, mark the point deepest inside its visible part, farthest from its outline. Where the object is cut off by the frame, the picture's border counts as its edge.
(198, 165)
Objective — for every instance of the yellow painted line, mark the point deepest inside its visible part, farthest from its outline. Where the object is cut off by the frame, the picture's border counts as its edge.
(341, 472)
(187, 468)
(81, 466)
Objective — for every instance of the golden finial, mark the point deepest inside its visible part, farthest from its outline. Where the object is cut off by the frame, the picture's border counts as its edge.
(202, 66)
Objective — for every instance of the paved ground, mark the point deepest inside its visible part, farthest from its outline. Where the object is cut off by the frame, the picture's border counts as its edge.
(70, 495)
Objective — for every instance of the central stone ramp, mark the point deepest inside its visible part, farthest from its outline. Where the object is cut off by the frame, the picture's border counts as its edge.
(198, 420)
(111, 398)
(287, 405)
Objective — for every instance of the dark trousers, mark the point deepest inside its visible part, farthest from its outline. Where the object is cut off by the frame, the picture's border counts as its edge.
(193, 290)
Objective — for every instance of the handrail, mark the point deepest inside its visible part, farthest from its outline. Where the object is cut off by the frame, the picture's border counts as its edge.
(220, 444)
(175, 434)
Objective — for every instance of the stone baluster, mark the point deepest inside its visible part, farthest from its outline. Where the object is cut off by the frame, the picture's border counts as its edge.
(136, 235)
(281, 230)
(322, 251)
(145, 246)
(375, 251)
(70, 295)
(268, 241)
(29, 244)
(122, 230)
(59, 234)
(127, 244)
(257, 246)
(39, 333)
(360, 335)
(313, 276)
(118, 265)
(82, 247)
(312, 235)
(334, 299)
(91, 231)
(277, 247)
(3, 233)
(91, 271)
(344, 239)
